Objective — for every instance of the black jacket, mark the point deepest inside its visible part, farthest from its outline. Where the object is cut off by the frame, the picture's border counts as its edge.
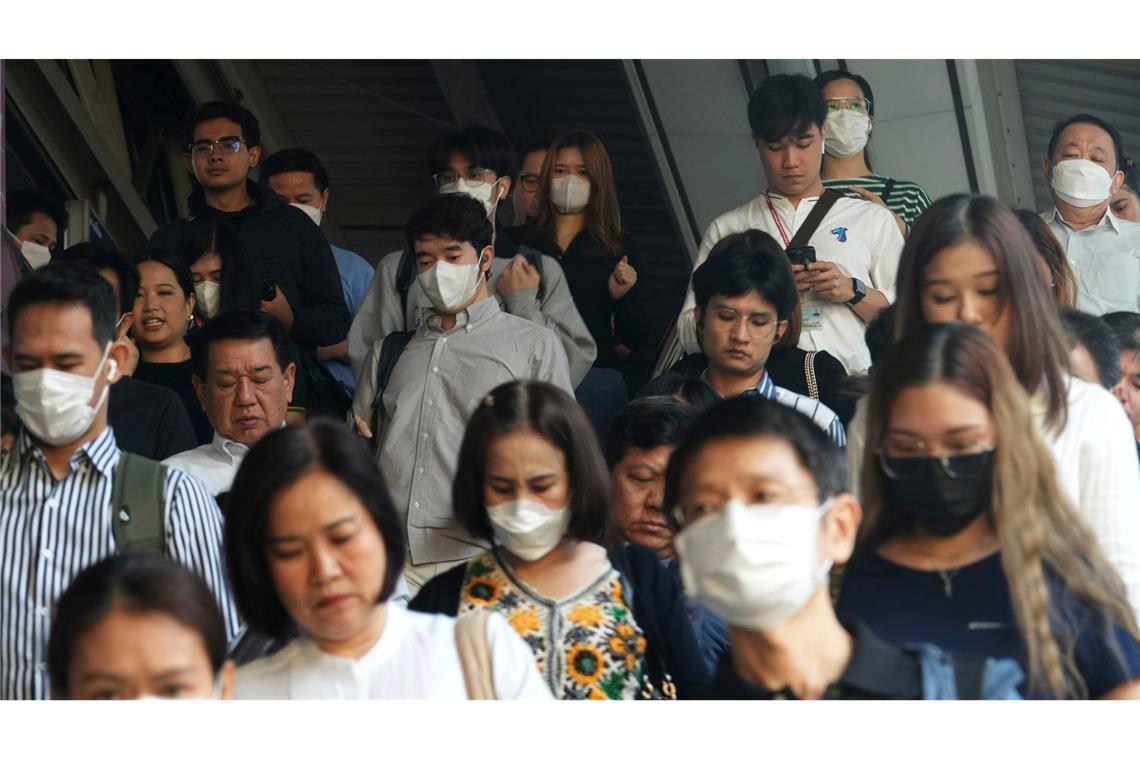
(287, 248)
(148, 420)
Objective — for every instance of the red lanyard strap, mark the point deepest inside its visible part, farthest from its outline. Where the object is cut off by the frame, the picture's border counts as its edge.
(776, 219)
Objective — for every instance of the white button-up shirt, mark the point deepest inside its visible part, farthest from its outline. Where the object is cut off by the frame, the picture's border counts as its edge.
(858, 236)
(1105, 259)
(414, 658)
(215, 463)
(439, 380)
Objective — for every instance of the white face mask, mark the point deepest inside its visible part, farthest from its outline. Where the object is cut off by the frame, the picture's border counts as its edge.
(570, 194)
(449, 286)
(35, 254)
(754, 566)
(847, 133)
(527, 529)
(209, 297)
(310, 211)
(1081, 183)
(479, 190)
(56, 406)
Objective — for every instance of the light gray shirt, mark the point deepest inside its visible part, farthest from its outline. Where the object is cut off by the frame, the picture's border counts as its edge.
(439, 380)
(380, 314)
(1105, 259)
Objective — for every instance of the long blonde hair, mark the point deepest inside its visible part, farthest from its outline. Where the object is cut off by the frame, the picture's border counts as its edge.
(1040, 533)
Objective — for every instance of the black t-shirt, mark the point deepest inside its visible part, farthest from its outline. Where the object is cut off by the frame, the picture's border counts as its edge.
(969, 611)
(148, 420)
(176, 376)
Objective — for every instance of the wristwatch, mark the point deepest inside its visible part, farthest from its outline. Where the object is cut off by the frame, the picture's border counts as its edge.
(860, 291)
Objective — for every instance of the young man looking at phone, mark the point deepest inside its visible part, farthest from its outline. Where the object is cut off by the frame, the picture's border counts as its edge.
(856, 245)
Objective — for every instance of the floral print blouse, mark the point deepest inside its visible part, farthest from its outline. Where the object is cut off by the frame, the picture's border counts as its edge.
(587, 646)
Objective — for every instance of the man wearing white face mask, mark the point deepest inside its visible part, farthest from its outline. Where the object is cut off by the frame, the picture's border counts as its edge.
(761, 564)
(1084, 169)
(58, 483)
(300, 178)
(478, 162)
(465, 346)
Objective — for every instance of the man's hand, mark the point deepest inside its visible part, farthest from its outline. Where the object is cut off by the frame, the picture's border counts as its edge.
(623, 278)
(803, 277)
(280, 310)
(362, 428)
(828, 281)
(519, 275)
(132, 349)
(867, 195)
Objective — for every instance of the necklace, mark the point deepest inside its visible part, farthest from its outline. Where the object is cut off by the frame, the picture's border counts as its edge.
(947, 580)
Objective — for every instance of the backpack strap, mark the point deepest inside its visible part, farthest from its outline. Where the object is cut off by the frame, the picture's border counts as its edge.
(390, 350)
(969, 672)
(405, 276)
(887, 189)
(138, 504)
(815, 218)
(475, 654)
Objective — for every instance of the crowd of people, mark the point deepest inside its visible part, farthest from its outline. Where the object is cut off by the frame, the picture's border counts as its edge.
(894, 452)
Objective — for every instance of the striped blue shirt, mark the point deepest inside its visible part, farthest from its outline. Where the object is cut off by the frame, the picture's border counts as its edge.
(51, 530)
(816, 411)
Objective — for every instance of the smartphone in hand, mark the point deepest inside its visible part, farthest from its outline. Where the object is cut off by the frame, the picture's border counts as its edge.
(268, 290)
(802, 255)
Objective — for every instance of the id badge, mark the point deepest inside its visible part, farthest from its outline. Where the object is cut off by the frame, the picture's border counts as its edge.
(812, 317)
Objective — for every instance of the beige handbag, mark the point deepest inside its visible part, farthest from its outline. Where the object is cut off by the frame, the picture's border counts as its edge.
(475, 654)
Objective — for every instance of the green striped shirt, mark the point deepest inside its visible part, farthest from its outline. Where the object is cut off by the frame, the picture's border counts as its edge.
(907, 199)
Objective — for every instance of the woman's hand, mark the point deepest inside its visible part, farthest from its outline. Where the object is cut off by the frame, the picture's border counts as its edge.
(867, 195)
(623, 278)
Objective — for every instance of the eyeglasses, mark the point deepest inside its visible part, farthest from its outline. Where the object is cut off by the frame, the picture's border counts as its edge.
(471, 174)
(957, 466)
(856, 105)
(529, 182)
(685, 515)
(726, 320)
(223, 145)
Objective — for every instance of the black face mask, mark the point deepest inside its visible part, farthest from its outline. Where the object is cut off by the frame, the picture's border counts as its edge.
(941, 503)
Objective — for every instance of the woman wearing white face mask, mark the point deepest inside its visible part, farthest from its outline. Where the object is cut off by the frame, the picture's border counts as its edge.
(579, 223)
(846, 160)
(602, 625)
(138, 626)
(758, 494)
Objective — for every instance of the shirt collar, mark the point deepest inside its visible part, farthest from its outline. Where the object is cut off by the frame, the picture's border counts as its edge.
(229, 450)
(1108, 220)
(765, 387)
(470, 318)
(102, 451)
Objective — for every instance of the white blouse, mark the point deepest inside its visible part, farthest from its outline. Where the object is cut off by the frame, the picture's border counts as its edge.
(1097, 469)
(414, 658)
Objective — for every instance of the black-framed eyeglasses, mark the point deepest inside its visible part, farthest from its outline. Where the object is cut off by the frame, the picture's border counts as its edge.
(223, 145)
(958, 466)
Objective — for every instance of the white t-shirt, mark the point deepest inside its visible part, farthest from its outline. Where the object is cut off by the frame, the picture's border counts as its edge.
(414, 658)
(860, 237)
(1097, 469)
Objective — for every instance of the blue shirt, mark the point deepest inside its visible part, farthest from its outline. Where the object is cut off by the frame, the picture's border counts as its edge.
(969, 611)
(355, 279)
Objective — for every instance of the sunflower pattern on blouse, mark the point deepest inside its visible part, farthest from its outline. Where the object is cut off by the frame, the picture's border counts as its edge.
(587, 646)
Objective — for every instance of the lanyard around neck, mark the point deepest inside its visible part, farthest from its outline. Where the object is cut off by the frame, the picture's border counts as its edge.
(776, 219)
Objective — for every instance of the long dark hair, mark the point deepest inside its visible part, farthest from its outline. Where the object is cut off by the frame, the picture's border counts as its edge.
(137, 583)
(1037, 348)
(603, 216)
(239, 275)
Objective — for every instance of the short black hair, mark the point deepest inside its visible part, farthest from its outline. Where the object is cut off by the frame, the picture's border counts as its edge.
(750, 417)
(693, 391)
(646, 423)
(785, 104)
(1084, 118)
(834, 75)
(136, 583)
(533, 144)
(218, 109)
(746, 261)
(556, 416)
(20, 204)
(240, 324)
(454, 215)
(1098, 339)
(99, 258)
(1126, 326)
(294, 160)
(67, 283)
(880, 334)
(483, 146)
(274, 464)
(175, 264)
